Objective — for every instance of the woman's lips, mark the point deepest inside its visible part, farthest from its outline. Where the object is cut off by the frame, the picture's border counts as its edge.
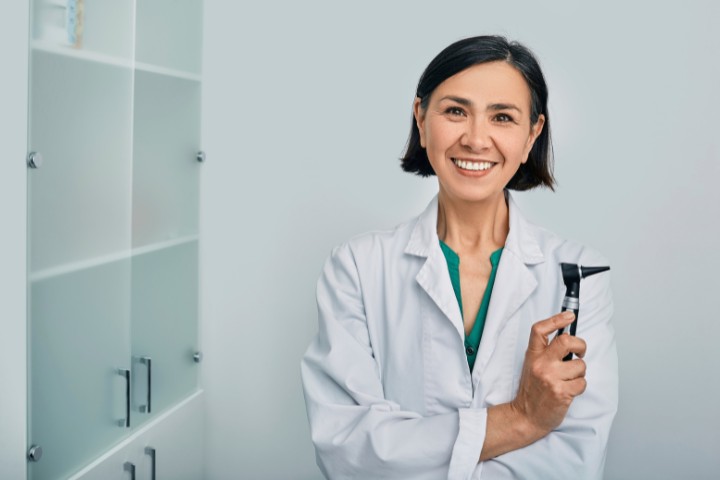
(474, 167)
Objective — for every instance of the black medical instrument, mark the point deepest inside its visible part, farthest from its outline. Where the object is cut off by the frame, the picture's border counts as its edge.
(572, 274)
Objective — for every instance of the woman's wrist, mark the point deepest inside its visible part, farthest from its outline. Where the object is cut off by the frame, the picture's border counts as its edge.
(526, 427)
(508, 429)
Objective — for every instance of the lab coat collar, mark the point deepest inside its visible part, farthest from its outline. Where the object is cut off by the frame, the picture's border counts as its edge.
(521, 240)
(513, 286)
(424, 233)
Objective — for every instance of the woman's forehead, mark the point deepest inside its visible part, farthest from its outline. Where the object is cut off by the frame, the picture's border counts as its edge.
(490, 82)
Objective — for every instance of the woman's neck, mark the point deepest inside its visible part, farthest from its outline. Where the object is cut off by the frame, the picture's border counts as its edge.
(473, 226)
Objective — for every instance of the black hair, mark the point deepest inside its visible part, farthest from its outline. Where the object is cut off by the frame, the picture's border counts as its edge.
(463, 54)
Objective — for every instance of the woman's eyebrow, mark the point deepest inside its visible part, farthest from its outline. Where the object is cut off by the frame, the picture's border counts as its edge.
(503, 106)
(493, 106)
(462, 101)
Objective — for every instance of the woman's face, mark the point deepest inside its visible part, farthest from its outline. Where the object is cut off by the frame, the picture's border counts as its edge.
(476, 130)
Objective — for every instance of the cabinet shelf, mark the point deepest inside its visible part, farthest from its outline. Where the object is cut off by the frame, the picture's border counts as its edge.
(91, 56)
(88, 55)
(146, 67)
(109, 258)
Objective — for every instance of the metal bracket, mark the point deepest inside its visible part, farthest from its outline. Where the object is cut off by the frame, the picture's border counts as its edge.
(34, 160)
(35, 453)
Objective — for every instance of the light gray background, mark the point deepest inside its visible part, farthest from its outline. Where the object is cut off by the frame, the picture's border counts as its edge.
(306, 109)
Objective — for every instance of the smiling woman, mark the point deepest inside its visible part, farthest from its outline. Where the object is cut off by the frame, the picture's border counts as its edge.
(498, 52)
(483, 106)
(434, 356)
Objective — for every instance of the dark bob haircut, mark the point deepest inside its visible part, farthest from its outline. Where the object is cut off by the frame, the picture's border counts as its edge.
(538, 170)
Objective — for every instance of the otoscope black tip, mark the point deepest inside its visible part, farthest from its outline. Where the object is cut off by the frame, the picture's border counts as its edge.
(587, 271)
(570, 271)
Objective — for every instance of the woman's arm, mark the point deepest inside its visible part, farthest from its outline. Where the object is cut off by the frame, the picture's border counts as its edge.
(576, 448)
(356, 431)
(547, 388)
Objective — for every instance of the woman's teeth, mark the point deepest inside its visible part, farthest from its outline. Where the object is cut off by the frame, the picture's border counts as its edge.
(472, 165)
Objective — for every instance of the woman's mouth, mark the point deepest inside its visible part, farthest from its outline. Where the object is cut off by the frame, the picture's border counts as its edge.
(472, 166)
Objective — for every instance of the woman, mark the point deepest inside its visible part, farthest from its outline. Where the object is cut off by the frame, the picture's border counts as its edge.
(434, 356)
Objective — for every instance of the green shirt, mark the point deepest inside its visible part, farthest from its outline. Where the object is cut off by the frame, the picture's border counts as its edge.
(472, 341)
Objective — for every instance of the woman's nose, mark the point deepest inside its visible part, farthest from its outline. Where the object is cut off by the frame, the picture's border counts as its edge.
(476, 136)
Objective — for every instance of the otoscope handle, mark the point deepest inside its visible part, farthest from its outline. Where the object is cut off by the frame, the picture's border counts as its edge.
(570, 304)
(571, 278)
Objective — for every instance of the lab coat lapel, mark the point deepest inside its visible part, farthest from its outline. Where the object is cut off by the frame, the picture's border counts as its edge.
(514, 283)
(433, 276)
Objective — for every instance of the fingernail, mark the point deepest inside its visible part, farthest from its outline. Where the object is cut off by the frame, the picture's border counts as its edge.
(568, 315)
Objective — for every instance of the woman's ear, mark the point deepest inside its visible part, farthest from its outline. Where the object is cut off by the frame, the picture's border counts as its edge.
(419, 114)
(535, 131)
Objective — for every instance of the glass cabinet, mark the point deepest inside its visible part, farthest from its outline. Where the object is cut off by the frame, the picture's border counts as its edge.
(114, 158)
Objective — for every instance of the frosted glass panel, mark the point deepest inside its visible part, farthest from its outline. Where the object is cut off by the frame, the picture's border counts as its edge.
(80, 335)
(169, 34)
(164, 324)
(165, 166)
(99, 26)
(80, 198)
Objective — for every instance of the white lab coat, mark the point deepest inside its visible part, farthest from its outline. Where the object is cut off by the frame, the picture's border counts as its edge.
(387, 385)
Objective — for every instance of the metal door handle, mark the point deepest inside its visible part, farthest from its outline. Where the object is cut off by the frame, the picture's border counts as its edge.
(130, 467)
(151, 451)
(126, 373)
(147, 361)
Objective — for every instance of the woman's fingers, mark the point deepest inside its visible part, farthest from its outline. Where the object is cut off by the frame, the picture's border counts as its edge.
(563, 344)
(548, 384)
(577, 386)
(573, 369)
(539, 333)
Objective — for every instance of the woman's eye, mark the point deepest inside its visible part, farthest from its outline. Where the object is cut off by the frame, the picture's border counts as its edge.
(503, 118)
(455, 111)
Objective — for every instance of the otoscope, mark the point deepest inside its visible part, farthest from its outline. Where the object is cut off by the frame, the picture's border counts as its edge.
(572, 274)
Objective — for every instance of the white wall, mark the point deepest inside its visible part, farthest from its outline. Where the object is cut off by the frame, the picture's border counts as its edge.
(306, 109)
(13, 145)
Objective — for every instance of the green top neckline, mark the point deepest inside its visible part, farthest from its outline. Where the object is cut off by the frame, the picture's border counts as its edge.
(472, 341)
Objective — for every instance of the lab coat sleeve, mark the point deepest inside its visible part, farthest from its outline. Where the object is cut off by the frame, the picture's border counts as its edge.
(577, 448)
(358, 433)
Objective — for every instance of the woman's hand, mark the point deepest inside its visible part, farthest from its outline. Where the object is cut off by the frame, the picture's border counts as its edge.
(548, 385)
(547, 388)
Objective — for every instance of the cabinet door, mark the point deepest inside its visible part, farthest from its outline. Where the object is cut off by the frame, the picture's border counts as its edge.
(166, 143)
(171, 444)
(79, 330)
(79, 201)
(164, 326)
(177, 441)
